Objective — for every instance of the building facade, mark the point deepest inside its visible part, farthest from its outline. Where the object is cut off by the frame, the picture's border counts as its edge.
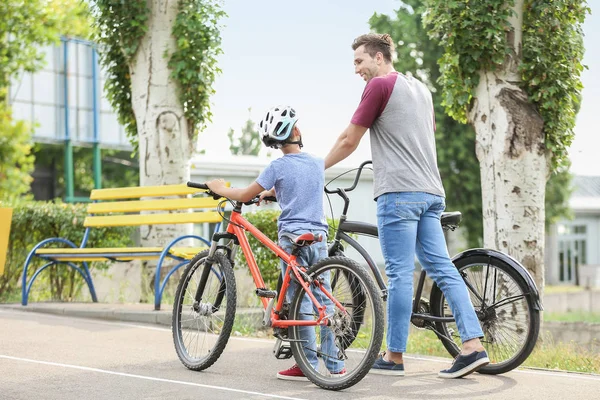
(573, 246)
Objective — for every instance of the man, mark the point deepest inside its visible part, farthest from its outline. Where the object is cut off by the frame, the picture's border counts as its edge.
(398, 111)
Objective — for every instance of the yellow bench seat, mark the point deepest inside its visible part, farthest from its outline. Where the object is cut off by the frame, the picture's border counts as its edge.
(116, 253)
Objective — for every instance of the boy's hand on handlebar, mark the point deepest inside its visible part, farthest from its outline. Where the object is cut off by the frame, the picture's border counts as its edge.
(216, 185)
(265, 193)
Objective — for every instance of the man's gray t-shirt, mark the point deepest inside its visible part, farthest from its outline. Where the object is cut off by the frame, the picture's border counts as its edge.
(298, 180)
(398, 110)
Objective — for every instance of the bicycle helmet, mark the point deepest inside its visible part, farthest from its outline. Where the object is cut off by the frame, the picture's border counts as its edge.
(276, 127)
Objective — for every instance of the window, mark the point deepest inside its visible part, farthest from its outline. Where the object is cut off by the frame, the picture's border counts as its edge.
(572, 248)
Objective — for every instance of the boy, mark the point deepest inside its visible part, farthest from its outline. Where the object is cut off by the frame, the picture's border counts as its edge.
(298, 179)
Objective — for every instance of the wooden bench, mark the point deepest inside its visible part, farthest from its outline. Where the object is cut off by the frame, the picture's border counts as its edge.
(125, 207)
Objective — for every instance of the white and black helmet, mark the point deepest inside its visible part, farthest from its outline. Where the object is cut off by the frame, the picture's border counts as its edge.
(277, 126)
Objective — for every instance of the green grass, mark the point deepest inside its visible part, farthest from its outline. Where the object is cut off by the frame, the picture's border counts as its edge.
(573, 316)
(565, 356)
(547, 354)
(425, 342)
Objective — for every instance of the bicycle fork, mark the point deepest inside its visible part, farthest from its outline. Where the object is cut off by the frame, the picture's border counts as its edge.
(206, 309)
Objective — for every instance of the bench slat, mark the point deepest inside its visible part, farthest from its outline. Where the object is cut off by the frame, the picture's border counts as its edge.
(152, 205)
(138, 253)
(141, 191)
(70, 250)
(151, 219)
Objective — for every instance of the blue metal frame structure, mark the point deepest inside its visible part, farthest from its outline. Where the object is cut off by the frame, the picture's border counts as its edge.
(97, 163)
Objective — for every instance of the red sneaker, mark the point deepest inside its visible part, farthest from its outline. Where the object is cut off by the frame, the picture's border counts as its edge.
(292, 374)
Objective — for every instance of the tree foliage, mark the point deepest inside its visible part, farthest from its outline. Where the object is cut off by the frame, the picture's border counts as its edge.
(25, 27)
(120, 27)
(21, 33)
(16, 160)
(193, 63)
(551, 68)
(474, 36)
(248, 142)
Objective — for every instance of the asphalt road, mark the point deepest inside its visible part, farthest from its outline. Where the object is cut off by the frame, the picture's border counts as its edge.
(56, 357)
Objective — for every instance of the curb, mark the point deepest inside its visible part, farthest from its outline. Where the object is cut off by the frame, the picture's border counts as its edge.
(163, 317)
(110, 314)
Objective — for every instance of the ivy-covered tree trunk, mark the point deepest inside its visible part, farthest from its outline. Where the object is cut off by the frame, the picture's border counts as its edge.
(513, 159)
(164, 136)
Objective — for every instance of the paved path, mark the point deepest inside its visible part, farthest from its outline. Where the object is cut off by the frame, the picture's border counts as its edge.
(46, 356)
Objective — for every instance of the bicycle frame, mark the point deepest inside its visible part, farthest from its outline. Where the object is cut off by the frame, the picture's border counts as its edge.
(235, 230)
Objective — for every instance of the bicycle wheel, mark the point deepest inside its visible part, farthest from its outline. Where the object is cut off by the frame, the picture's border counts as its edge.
(201, 329)
(509, 321)
(351, 342)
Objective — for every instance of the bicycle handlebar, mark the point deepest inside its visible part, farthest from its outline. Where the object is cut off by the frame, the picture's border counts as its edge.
(217, 196)
(351, 188)
(197, 185)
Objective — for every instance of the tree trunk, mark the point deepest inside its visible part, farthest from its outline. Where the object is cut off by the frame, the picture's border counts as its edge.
(164, 135)
(513, 160)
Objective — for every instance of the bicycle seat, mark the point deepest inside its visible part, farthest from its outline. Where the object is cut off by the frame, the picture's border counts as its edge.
(451, 218)
(306, 239)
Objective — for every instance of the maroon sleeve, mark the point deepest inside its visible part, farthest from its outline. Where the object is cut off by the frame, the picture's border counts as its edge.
(374, 99)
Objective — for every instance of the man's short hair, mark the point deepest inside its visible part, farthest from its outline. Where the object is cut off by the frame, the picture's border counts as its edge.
(376, 43)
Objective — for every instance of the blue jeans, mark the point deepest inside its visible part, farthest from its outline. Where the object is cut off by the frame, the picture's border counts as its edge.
(409, 222)
(308, 256)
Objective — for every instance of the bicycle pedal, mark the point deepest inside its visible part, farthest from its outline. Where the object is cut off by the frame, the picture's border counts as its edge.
(282, 351)
(264, 292)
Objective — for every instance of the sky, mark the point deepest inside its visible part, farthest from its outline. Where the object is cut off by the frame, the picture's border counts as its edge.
(298, 53)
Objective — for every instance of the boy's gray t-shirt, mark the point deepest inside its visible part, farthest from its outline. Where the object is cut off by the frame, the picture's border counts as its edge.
(298, 180)
(398, 110)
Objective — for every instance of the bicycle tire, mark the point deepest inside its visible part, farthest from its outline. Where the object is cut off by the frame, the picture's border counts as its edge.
(214, 326)
(500, 322)
(359, 353)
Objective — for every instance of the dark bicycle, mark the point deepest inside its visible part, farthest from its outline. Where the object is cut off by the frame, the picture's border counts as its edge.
(502, 291)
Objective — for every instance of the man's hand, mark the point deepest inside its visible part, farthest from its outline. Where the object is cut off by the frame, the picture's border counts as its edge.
(266, 193)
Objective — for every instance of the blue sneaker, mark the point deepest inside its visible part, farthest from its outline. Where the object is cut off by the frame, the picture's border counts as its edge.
(464, 365)
(382, 367)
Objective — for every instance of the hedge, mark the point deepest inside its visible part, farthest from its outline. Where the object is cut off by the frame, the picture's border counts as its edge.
(35, 221)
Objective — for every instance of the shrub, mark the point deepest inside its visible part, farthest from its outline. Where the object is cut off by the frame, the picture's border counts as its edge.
(33, 222)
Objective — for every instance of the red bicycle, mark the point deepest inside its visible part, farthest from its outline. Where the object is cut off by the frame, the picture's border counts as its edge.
(347, 312)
